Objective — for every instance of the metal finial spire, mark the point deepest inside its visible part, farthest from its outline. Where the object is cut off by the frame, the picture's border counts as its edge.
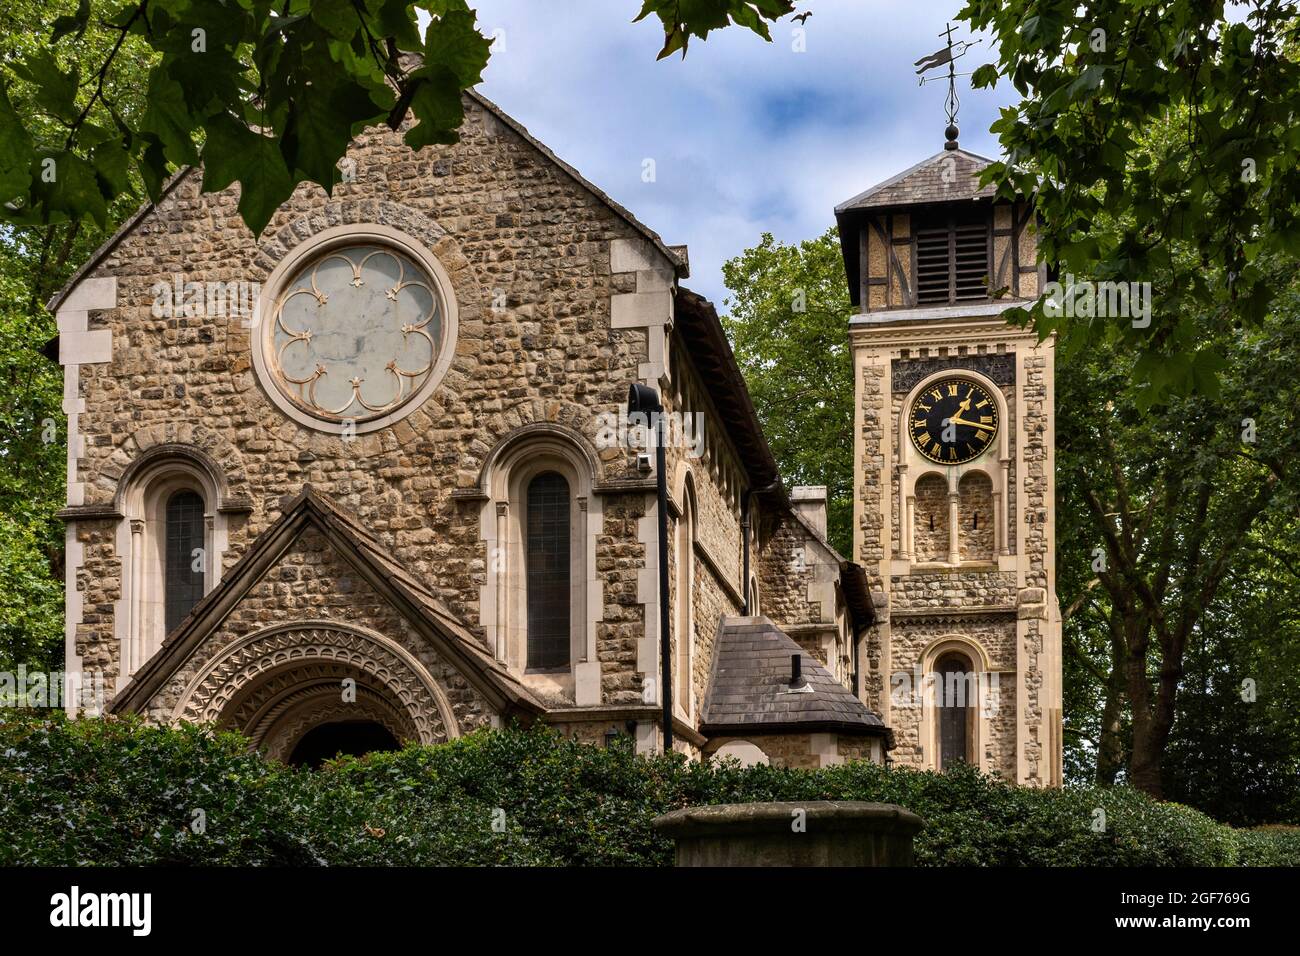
(948, 55)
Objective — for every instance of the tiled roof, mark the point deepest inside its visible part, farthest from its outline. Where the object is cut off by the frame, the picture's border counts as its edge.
(946, 176)
(749, 690)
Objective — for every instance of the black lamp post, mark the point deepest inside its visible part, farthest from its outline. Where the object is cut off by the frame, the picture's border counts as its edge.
(644, 400)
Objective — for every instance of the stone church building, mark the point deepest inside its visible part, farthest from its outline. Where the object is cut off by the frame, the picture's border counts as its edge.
(369, 478)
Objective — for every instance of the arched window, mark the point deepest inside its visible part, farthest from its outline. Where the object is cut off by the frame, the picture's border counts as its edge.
(171, 541)
(684, 625)
(541, 521)
(955, 700)
(548, 565)
(183, 558)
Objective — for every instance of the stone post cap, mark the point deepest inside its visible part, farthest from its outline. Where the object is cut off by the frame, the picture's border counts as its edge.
(773, 818)
(808, 493)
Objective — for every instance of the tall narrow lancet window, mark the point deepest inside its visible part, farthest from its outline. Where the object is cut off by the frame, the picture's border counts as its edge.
(548, 568)
(956, 706)
(183, 539)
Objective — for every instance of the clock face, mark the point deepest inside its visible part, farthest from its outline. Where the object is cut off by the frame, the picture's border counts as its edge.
(953, 421)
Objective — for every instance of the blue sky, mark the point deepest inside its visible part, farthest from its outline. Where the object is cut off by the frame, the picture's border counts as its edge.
(747, 137)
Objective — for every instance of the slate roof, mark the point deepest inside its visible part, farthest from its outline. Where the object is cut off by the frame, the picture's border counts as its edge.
(696, 323)
(749, 689)
(931, 180)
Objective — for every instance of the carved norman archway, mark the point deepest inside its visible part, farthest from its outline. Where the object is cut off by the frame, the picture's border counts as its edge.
(277, 684)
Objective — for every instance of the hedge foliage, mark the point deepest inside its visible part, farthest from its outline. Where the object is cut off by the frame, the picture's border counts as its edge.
(121, 792)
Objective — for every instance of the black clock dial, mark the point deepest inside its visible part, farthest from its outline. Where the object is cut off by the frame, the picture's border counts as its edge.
(953, 421)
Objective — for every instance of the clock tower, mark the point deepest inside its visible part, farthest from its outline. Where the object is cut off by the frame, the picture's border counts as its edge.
(954, 512)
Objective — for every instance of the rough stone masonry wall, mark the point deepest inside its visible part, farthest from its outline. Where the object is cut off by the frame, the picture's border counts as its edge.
(512, 230)
(875, 407)
(784, 572)
(975, 511)
(930, 537)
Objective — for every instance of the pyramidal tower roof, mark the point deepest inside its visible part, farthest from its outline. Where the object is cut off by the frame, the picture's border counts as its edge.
(948, 175)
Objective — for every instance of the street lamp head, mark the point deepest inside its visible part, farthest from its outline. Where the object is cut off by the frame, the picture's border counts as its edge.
(642, 399)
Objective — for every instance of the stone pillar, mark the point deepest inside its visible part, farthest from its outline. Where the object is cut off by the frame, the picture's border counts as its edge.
(133, 647)
(954, 529)
(814, 833)
(500, 568)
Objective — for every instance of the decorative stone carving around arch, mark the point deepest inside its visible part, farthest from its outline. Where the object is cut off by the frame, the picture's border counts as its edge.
(533, 432)
(247, 680)
(203, 447)
(286, 707)
(175, 452)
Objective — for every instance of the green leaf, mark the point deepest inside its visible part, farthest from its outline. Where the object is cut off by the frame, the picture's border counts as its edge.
(438, 109)
(75, 23)
(15, 151)
(66, 187)
(55, 91)
(168, 117)
(234, 153)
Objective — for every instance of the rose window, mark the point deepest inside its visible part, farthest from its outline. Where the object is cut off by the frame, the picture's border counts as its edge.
(356, 334)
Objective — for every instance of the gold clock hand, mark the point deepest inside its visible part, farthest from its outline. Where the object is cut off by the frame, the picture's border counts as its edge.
(961, 421)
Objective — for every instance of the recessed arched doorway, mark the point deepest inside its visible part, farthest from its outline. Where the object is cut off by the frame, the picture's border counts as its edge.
(349, 738)
(361, 691)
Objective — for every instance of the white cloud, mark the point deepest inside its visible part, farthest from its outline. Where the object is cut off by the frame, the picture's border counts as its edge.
(747, 137)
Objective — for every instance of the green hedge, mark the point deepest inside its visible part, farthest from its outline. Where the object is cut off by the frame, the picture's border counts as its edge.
(121, 792)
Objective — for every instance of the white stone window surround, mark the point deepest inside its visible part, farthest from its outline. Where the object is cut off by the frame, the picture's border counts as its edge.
(140, 612)
(313, 250)
(913, 466)
(503, 524)
(981, 666)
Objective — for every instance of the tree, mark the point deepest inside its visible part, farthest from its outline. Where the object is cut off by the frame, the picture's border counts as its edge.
(1162, 510)
(1094, 77)
(35, 260)
(788, 306)
(264, 94)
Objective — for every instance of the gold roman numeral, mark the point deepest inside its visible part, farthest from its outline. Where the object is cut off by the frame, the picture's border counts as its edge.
(952, 389)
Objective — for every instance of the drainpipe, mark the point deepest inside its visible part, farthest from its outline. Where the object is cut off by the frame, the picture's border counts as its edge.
(744, 546)
(644, 400)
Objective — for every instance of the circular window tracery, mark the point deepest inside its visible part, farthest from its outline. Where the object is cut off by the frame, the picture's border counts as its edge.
(359, 329)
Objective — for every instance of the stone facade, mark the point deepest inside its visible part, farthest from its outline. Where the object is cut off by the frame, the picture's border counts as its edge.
(960, 557)
(557, 300)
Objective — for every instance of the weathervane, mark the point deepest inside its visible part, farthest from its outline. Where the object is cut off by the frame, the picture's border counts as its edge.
(949, 55)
